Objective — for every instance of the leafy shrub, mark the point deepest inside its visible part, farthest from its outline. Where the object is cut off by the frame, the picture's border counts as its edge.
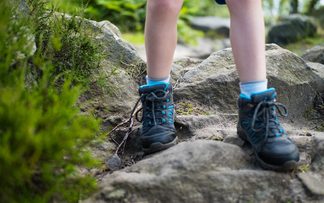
(128, 15)
(43, 135)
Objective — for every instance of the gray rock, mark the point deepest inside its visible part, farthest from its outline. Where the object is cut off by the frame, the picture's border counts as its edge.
(291, 29)
(113, 92)
(215, 24)
(318, 69)
(199, 171)
(213, 84)
(315, 54)
(318, 160)
(201, 50)
(313, 182)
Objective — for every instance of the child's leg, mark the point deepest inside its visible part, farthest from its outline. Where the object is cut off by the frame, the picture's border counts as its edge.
(258, 121)
(158, 131)
(161, 36)
(248, 39)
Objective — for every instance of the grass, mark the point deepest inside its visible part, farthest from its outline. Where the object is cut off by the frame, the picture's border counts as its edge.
(136, 38)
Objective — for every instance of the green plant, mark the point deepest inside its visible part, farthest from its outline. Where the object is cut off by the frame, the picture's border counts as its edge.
(129, 15)
(43, 135)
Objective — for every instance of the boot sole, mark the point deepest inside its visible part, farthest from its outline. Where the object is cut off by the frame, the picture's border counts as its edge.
(287, 166)
(158, 146)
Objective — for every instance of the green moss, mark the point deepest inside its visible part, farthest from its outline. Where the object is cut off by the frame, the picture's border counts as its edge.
(304, 168)
(187, 108)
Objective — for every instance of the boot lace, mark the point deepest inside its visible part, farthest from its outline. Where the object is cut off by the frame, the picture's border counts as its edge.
(265, 114)
(156, 109)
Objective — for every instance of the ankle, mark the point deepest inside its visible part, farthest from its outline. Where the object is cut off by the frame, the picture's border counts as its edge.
(249, 88)
(154, 81)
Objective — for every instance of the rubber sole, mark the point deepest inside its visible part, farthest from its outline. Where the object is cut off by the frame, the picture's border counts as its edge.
(287, 166)
(158, 146)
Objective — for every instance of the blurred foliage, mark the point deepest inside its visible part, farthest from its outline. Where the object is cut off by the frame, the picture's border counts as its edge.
(306, 43)
(129, 15)
(285, 7)
(43, 136)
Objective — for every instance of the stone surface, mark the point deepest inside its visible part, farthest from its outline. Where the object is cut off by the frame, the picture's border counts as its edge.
(215, 24)
(113, 92)
(201, 50)
(318, 69)
(213, 84)
(313, 182)
(291, 29)
(315, 54)
(199, 171)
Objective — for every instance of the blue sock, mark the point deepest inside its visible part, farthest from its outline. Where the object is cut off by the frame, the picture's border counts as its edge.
(249, 88)
(151, 81)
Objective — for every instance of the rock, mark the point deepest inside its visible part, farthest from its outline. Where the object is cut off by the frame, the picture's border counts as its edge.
(318, 69)
(202, 50)
(198, 171)
(315, 54)
(318, 160)
(215, 24)
(213, 127)
(113, 92)
(313, 182)
(213, 84)
(291, 29)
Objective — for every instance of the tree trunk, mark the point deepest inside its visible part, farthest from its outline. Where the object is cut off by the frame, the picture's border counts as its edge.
(294, 4)
(311, 6)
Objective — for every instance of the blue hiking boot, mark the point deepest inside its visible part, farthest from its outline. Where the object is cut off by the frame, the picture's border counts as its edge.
(157, 132)
(259, 125)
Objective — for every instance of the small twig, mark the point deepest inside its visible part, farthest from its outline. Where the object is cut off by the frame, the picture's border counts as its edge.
(117, 126)
(114, 140)
(124, 145)
(130, 128)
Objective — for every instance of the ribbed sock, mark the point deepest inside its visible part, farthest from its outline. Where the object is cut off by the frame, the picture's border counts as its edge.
(151, 81)
(249, 88)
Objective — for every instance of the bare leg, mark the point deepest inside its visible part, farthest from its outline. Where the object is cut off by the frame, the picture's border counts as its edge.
(161, 36)
(248, 39)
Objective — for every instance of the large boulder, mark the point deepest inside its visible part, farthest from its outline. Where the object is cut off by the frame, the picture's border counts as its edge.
(212, 85)
(214, 24)
(291, 29)
(207, 171)
(315, 54)
(113, 92)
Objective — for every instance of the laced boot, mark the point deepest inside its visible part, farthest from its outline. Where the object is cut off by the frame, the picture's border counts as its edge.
(259, 125)
(157, 132)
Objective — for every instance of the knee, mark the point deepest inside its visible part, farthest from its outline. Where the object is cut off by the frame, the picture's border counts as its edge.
(165, 6)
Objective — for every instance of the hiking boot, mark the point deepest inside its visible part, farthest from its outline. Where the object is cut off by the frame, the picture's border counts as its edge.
(259, 125)
(157, 132)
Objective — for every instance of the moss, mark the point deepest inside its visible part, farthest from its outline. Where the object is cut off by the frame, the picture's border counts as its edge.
(304, 168)
(187, 108)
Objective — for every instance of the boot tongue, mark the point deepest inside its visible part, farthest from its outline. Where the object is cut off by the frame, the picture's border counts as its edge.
(152, 88)
(268, 95)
